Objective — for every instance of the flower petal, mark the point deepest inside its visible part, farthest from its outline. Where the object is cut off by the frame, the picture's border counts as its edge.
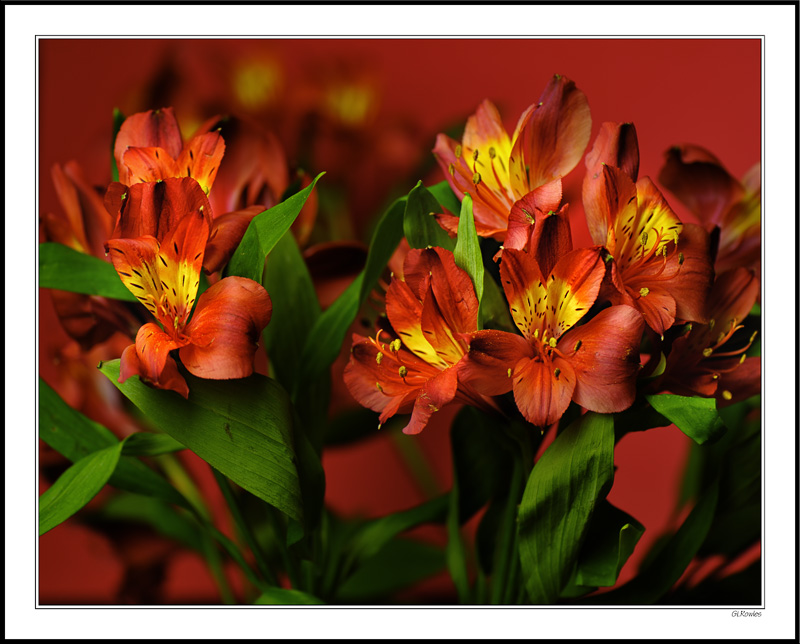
(697, 178)
(201, 159)
(149, 358)
(491, 359)
(616, 145)
(156, 208)
(528, 211)
(151, 129)
(226, 232)
(573, 288)
(148, 164)
(741, 383)
(553, 137)
(543, 389)
(435, 394)
(225, 328)
(604, 353)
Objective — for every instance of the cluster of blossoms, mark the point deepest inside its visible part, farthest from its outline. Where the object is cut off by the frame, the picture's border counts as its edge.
(588, 317)
(159, 229)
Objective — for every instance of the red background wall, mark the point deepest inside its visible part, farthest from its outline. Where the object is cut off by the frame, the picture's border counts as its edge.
(706, 92)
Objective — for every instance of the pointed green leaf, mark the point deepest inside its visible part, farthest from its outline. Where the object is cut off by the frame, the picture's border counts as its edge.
(663, 570)
(694, 416)
(610, 539)
(148, 444)
(74, 436)
(419, 224)
(295, 308)
(65, 269)
(567, 482)
(444, 194)
(76, 487)
(243, 428)
(468, 249)
(264, 232)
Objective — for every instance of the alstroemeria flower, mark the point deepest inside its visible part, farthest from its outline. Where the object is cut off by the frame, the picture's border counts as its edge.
(414, 367)
(555, 361)
(717, 199)
(84, 225)
(497, 171)
(709, 359)
(149, 147)
(660, 266)
(163, 272)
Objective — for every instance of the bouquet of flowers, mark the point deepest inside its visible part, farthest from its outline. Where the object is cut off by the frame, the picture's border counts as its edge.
(471, 293)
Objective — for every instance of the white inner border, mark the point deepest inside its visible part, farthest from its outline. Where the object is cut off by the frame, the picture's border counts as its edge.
(776, 23)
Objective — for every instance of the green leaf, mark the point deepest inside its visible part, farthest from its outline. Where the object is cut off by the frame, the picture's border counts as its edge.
(74, 436)
(148, 444)
(76, 487)
(398, 565)
(419, 225)
(444, 194)
(295, 308)
(455, 552)
(610, 539)
(575, 472)
(264, 232)
(663, 570)
(65, 269)
(328, 333)
(379, 532)
(160, 516)
(117, 121)
(468, 249)
(284, 596)
(694, 416)
(243, 428)
(494, 313)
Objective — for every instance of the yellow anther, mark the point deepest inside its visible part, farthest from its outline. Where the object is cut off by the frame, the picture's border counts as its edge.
(378, 387)
(402, 371)
(458, 151)
(536, 333)
(379, 357)
(743, 358)
(753, 337)
(715, 376)
(509, 372)
(727, 395)
(475, 155)
(394, 345)
(720, 337)
(578, 345)
(675, 237)
(451, 169)
(644, 238)
(711, 323)
(644, 291)
(557, 372)
(476, 178)
(707, 352)
(680, 259)
(492, 153)
(552, 342)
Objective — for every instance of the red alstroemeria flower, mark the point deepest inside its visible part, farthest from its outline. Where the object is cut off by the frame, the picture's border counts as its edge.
(552, 363)
(432, 313)
(660, 266)
(706, 360)
(698, 179)
(149, 147)
(163, 272)
(497, 171)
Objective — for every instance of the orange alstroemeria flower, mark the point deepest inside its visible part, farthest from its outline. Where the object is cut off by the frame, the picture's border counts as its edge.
(149, 147)
(552, 363)
(414, 365)
(729, 209)
(497, 171)
(161, 267)
(706, 360)
(660, 266)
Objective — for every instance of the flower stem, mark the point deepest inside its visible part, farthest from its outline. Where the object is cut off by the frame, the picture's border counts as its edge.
(508, 536)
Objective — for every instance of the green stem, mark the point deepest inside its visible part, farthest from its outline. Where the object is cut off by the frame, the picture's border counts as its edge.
(507, 536)
(415, 460)
(244, 529)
